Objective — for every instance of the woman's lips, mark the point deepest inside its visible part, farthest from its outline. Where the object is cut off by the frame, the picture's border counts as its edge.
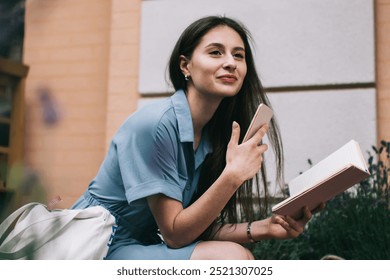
(228, 78)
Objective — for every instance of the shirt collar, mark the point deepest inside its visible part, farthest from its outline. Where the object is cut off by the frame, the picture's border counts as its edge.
(184, 120)
(183, 115)
(205, 147)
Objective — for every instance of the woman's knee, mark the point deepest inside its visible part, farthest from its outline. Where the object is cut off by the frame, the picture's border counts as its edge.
(220, 250)
(239, 252)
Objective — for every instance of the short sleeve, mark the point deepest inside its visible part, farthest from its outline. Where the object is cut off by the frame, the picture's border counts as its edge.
(147, 153)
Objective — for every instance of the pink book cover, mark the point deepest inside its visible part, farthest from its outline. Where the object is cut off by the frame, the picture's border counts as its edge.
(322, 192)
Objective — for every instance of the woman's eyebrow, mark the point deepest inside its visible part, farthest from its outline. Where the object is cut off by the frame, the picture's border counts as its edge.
(219, 45)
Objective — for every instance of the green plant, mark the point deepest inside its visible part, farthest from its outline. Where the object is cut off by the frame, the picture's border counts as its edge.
(354, 225)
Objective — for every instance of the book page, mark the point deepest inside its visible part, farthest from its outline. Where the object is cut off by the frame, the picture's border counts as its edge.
(349, 154)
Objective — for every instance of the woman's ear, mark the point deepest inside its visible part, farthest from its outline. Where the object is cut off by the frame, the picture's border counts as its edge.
(183, 63)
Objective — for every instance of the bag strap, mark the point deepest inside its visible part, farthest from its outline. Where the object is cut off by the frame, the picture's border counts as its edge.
(53, 229)
(5, 225)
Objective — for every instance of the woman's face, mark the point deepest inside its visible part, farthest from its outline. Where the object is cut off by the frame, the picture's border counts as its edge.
(217, 66)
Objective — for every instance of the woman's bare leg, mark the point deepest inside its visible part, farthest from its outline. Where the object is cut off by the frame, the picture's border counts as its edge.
(221, 250)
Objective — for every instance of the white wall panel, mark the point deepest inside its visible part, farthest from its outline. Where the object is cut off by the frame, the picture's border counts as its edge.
(298, 42)
(314, 124)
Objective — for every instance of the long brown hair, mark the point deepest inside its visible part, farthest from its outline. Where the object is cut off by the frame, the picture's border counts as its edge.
(239, 108)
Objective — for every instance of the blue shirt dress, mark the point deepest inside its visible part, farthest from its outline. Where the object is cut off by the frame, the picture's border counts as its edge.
(151, 153)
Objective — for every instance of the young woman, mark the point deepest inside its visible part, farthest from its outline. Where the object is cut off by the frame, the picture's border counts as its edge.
(176, 170)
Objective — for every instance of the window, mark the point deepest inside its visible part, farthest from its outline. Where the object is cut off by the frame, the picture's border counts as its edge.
(5, 124)
(11, 116)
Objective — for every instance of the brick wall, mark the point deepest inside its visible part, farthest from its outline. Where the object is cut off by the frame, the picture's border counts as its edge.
(85, 54)
(123, 64)
(383, 67)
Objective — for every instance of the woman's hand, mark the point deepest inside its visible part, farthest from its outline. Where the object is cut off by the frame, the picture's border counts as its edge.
(243, 161)
(283, 227)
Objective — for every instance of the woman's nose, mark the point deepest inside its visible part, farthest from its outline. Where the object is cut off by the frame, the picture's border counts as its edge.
(230, 63)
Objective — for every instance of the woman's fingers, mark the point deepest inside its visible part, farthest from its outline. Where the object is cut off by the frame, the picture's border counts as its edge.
(258, 136)
(292, 227)
(235, 137)
(307, 214)
(295, 228)
(289, 225)
(262, 148)
(245, 159)
(319, 208)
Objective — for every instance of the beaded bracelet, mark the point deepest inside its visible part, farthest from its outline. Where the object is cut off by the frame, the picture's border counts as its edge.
(248, 233)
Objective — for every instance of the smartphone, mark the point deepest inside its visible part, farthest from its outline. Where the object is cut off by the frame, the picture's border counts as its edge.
(262, 116)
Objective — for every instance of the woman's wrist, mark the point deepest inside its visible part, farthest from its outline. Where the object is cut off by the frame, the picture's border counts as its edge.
(249, 233)
(232, 177)
(258, 230)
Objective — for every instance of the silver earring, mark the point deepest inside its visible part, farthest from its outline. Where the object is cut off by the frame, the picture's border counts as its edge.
(187, 77)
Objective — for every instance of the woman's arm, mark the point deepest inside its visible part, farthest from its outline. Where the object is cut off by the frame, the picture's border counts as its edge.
(179, 226)
(274, 227)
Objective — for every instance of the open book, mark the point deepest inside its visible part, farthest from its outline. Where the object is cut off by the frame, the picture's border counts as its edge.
(333, 175)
